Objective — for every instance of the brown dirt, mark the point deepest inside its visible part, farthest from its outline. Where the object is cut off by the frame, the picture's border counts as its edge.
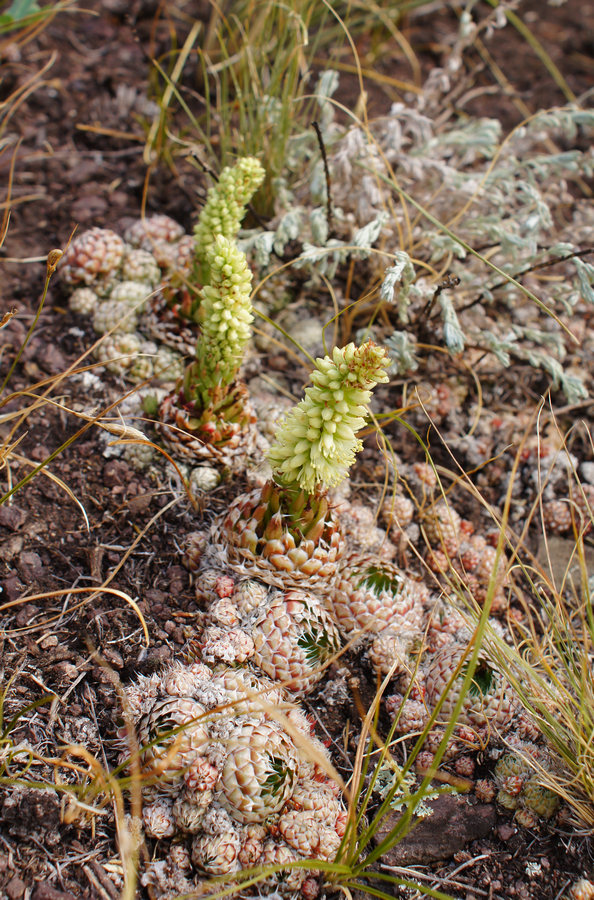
(77, 145)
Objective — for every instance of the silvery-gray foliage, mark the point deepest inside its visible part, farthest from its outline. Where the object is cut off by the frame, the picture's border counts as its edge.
(504, 196)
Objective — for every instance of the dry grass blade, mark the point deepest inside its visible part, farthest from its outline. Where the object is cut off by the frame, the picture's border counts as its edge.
(90, 591)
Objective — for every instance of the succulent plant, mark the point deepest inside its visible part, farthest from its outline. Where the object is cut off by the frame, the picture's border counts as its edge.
(520, 786)
(286, 533)
(118, 352)
(141, 266)
(148, 232)
(293, 638)
(208, 415)
(83, 300)
(115, 316)
(92, 256)
(173, 723)
(259, 773)
(489, 702)
(373, 595)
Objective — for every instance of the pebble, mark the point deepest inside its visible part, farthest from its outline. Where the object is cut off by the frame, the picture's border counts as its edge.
(12, 516)
(11, 548)
(114, 658)
(45, 891)
(30, 565)
(51, 359)
(67, 671)
(26, 612)
(50, 641)
(15, 888)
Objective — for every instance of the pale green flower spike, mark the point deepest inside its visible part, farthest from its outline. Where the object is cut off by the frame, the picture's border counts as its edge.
(316, 443)
(225, 205)
(227, 312)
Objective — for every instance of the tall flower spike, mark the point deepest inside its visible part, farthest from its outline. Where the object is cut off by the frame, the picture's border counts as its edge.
(225, 207)
(317, 443)
(209, 409)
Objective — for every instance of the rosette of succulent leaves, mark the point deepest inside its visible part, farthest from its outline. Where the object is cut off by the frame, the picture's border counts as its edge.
(208, 414)
(456, 242)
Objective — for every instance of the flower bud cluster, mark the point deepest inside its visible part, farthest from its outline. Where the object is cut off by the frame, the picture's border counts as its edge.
(227, 314)
(317, 442)
(225, 205)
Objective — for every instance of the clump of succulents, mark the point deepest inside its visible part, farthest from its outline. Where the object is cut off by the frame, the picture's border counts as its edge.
(117, 281)
(281, 543)
(147, 284)
(288, 634)
(520, 787)
(488, 707)
(232, 777)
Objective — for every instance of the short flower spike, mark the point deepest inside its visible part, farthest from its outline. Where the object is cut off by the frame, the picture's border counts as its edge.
(316, 444)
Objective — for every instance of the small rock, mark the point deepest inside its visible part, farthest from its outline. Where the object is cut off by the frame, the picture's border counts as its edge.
(506, 831)
(11, 548)
(454, 823)
(51, 359)
(15, 888)
(87, 209)
(12, 588)
(116, 472)
(44, 891)
(114, 658)
(50, 641)
(178, 579)
(26, 613)
(30, 565)
(12, 516)
(39, 452)
(67, 671)
(139, 504)
(158, 655)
